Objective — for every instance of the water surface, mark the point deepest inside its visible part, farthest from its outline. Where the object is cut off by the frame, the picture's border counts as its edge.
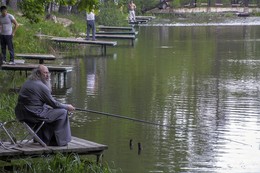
(201, 80)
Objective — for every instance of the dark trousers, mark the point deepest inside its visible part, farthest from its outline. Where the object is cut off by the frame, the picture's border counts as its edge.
(91, 25)
(7, 40)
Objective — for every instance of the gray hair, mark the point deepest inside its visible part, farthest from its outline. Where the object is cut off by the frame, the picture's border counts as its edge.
(36, 75)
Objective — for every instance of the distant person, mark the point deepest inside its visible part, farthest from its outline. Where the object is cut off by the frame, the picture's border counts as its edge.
(7, 33)
(131, 8)
(35, 104)
(90, 16)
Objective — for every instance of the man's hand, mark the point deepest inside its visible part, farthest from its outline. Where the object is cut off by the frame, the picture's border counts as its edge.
(71, 108)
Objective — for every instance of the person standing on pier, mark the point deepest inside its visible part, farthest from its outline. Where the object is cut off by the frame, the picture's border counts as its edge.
(90, 16)
(7, 33)
(36, 104)
(131, 7)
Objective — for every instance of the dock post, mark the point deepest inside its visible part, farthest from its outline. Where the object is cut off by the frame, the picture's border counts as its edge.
(105, 49)
(99, 158)
(64, 78)
(41, 61)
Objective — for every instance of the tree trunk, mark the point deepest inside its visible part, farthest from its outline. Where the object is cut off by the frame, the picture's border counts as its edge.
(63, 9)
(13, 4)
(74, 9)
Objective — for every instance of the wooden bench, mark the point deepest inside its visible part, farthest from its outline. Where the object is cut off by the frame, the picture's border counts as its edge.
(40, 57)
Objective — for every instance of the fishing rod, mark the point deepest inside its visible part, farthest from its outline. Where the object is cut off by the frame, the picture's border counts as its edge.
(123, 117)
(146, 122)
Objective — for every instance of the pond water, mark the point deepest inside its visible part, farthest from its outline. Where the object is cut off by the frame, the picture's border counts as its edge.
(201, 80)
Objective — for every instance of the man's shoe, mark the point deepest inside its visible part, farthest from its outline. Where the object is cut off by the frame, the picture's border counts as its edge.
(11, 63)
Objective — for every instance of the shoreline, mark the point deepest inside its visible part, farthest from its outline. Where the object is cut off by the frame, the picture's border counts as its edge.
(191, 10)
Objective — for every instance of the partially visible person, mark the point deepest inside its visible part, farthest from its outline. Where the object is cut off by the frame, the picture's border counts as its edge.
(35, 104)
(90, 17)
(131, 8)
(7, 33)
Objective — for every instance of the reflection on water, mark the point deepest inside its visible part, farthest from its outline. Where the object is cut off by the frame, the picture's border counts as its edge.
(203, 81)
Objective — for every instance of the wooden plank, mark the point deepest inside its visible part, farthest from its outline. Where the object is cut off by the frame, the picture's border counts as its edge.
(29, 67)
(127, 37)
(87, 142)
(138, 22)
(40, 57)
(77, 145)
(145, 17)
(115, 28)
(83, 41)
(117, 33)
(36, 56)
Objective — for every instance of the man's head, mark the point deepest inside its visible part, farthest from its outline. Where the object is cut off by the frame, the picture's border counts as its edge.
(3, 10)
(41, 73)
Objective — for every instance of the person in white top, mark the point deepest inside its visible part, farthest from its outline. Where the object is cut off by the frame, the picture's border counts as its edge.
(7, 32)
(131, 8)
(90, 16)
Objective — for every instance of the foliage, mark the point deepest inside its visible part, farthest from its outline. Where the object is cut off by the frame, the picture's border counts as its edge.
(7, 104)
(88, 5)
(33, 9)
(111, 14)
(61, 163)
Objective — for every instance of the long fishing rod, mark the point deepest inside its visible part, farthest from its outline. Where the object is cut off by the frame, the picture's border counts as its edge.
(123, 117)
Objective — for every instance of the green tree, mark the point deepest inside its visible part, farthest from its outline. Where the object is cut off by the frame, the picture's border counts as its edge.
(34, 10)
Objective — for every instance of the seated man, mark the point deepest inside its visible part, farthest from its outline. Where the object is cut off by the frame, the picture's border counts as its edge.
(35, 103)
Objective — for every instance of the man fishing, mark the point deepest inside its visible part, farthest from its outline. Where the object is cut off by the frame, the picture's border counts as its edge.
(35, 104)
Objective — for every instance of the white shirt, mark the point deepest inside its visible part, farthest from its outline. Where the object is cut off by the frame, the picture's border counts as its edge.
(90, 16)
(6, 24)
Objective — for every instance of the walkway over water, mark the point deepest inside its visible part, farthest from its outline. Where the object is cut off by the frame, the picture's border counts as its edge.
(103, 44)
(77, 145)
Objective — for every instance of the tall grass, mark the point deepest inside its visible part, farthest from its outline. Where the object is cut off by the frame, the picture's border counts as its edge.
(60, 163)
(7, 105)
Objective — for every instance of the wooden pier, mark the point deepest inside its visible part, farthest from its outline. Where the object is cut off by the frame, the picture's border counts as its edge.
(103, 44)
(144, 17)
(101, 27)
(30, 67)
(77, 145)
(121, 37)
(61, 69)
(117, 33)
(40, 57)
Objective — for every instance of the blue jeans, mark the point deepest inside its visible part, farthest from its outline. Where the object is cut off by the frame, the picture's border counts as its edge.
(91, 24)
(7, 40)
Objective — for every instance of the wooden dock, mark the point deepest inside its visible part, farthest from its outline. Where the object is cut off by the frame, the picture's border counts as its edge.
(121, 37)
(40, 57)
(103, 44)
(117, 33)
(138, 22)
(101, 27)
(77, 145)
(144, 17)
(30, 67)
